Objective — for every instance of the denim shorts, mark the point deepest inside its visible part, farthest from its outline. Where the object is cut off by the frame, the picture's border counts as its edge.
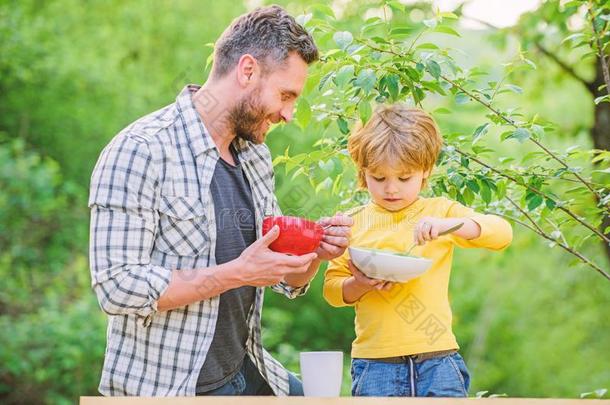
(445, 376)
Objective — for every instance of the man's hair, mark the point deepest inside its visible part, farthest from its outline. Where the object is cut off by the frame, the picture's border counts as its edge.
(397, 135)
(269, 34)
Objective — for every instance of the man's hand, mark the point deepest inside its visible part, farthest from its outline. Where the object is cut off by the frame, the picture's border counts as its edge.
(259, 266)
(337, 231)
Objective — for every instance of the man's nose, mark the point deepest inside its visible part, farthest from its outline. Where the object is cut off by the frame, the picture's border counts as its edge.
(287, 112)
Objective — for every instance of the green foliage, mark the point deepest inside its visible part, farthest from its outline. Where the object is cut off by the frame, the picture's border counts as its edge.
(544, 190)
(71, 76)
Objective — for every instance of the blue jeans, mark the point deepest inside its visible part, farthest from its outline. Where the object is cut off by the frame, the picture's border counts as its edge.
(249, 381)
(445, 376)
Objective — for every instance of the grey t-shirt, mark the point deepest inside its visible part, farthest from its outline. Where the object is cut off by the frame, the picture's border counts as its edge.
(235, 227)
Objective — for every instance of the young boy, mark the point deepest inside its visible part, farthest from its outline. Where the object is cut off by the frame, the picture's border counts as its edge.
(404, 345)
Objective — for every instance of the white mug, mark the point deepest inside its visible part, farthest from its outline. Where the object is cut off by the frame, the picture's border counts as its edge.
(322, 373)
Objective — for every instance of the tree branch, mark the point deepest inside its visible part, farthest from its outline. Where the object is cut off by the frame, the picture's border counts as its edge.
(535, 190)
(600, 49)
(583, 258)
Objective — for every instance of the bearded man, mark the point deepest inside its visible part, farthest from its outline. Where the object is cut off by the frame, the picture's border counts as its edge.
(177, 198)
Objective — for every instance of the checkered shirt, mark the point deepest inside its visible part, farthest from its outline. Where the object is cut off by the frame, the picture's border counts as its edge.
(152, 213)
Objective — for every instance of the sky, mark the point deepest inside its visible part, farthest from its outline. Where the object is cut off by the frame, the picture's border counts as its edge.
(500, 13)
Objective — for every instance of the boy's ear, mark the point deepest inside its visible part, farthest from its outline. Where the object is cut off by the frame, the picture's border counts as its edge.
(427, 174)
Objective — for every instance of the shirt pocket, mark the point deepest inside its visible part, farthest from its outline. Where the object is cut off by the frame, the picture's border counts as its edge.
(183, 226)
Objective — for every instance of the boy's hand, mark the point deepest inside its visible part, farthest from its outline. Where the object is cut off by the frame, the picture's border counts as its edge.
(364, 282)
(428, 228)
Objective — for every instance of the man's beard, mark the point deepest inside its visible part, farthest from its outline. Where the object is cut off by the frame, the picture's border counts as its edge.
(247, 117)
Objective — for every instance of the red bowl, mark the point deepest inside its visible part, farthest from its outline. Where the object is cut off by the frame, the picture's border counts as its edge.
(298, 236)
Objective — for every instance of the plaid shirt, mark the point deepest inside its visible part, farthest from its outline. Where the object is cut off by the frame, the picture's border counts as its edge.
(151, 214)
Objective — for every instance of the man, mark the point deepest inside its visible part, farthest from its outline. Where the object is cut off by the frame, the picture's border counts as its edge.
(177, 200)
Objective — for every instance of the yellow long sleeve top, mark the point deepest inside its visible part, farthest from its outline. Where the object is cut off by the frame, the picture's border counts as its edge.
(412, 317)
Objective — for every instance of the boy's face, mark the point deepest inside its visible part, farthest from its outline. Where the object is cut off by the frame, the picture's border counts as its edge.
(394, 189)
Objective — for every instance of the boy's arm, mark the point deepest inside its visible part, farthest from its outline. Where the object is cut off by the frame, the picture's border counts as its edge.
(345, 284)
(495, 232)
(334, 277)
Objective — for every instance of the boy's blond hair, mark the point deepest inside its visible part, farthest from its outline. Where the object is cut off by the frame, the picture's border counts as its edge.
(397, 135)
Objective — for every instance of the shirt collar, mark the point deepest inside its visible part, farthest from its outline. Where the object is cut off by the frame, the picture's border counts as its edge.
(196, 132)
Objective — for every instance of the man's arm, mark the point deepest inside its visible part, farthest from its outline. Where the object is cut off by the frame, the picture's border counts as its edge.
(257, 266)
(123, 229)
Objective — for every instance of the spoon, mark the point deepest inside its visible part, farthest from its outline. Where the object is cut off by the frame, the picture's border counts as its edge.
(445, 232)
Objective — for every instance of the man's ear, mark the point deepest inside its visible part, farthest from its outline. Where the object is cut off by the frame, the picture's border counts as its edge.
(247, 70)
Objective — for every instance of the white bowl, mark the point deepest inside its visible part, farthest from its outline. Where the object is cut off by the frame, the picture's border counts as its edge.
(388, 266)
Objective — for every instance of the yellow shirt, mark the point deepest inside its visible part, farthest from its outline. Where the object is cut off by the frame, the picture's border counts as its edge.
(412, 317)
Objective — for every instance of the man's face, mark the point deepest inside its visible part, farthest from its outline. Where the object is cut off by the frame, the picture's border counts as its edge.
(269, 101)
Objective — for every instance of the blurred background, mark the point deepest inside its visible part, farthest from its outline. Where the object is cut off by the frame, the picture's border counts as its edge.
(530, 322)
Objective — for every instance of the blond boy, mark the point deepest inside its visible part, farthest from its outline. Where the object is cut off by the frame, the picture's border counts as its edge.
(404, 344)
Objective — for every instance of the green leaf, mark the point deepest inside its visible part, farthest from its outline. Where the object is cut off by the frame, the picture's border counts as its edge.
(457, 180)
(520, 134)
(485, 192)
(479, 132)
(303, 114)
(473, 185)
(431, 23)
(365, 111)
(533, 200)
(303, 18)
(530, 63)
(366, 80)
(427, 45)
(441, 110)
(342, 124)
(449, 15)
(418, 95)
(501, 191)
(401, 31)
(337, 183)
(327, 166)
(298, 172)
(468, 196)
(605, 98)
(396, 5)
(324, 9)
(344, 75)
(575, 3)
(392, 85)
(326, 184)
(573, 37)
(343, 39)
(599, 393)
(461, 98)
(446, 30)
(514, 89)
(433, 68)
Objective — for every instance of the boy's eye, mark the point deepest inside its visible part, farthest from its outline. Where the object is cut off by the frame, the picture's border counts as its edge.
(404, 179)
(378, 178)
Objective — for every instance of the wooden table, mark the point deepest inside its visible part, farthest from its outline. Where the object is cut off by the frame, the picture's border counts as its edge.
(332, 401)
